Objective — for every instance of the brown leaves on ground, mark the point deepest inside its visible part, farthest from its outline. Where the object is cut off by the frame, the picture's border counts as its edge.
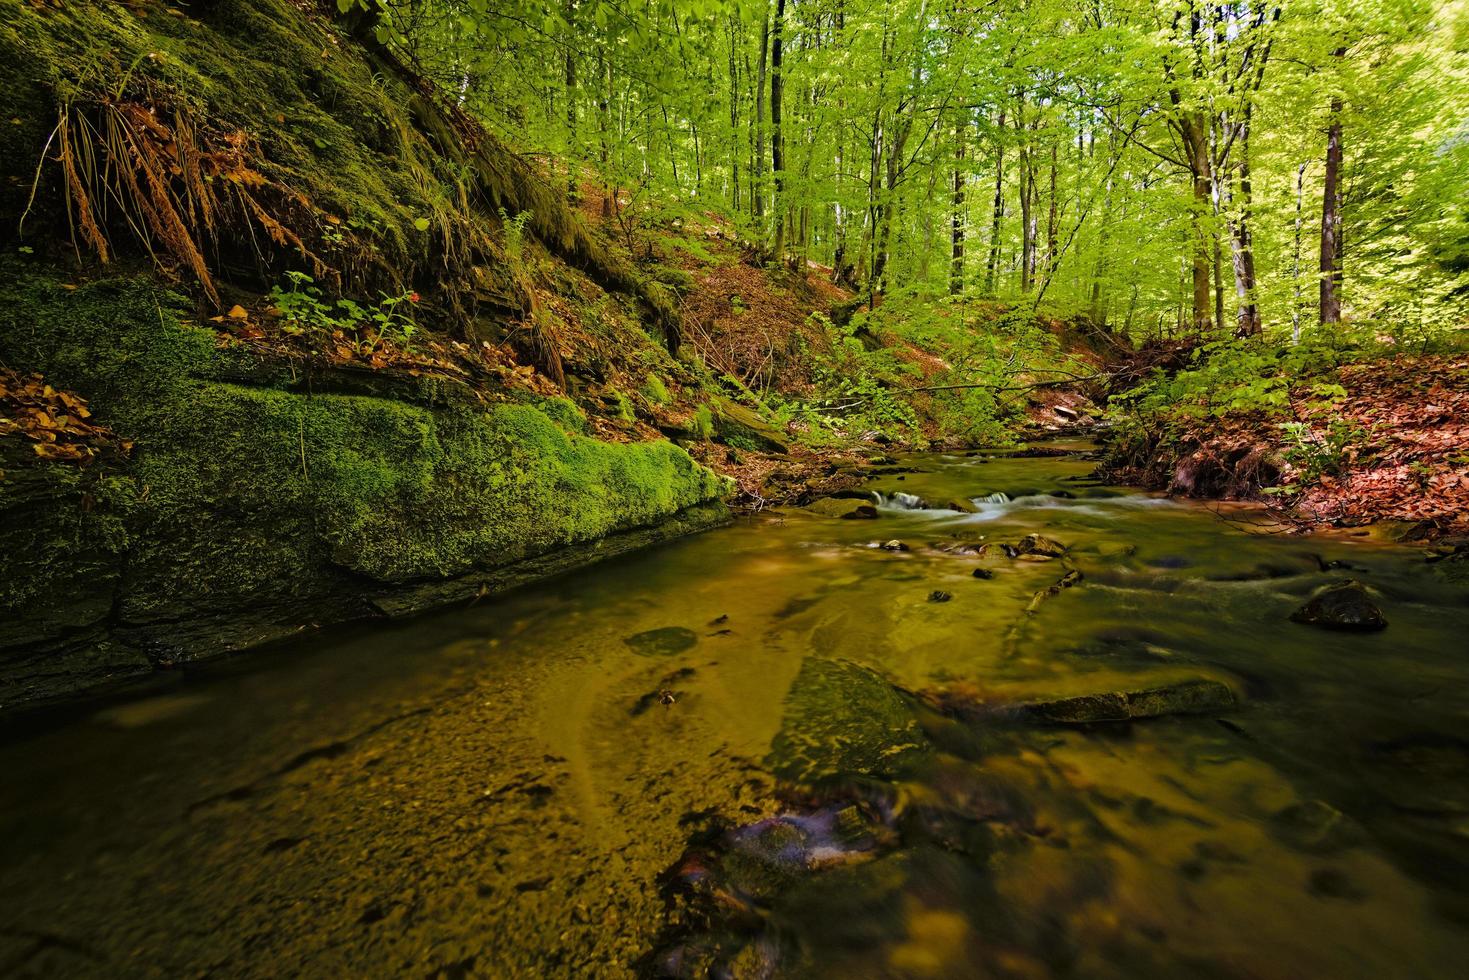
(1414, 463)
(54, 422)
(1407, 458)
(752, 323)
(481, 365)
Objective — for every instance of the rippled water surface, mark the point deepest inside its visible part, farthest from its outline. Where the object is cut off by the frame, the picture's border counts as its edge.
(772, 750)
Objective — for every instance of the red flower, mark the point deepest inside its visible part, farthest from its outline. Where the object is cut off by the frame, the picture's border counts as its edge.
(413, 297)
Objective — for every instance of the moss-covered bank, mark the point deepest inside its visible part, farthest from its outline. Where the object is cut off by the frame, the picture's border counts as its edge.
(261, 497)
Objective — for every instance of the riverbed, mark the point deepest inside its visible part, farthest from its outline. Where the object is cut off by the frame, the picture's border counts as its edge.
(567, 781)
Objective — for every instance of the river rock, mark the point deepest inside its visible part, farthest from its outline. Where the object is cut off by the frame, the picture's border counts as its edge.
(939, 595)
(1185, 698)
(843, 720)
(1039, 546)
(1316, 827)
(845, 508)
(1346, 606)
(893, 545)
(962, 506)
(982, 573)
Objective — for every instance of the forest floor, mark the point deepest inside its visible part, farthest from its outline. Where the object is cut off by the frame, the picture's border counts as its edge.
(1394, 448)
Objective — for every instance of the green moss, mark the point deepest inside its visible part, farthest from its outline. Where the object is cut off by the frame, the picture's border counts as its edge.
(656, 391)
(251, 491)
(565, 413)
(623, 405)
(702, 424)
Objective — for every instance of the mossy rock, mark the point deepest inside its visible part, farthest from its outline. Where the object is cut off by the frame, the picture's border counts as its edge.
(254, 495)
(740, 427)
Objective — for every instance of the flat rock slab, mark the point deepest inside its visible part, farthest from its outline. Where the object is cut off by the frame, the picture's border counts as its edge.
(843, 720)
(1186, 698)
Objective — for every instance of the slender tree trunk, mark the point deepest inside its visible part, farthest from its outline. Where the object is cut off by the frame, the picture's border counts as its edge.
(956, 229)
(1051, 256)
(1249, 309)
(734, 118)
(1194, 129)
(1331, 274)
(757, 174)
(1027, 189)
(992, 265)
(1295, 267)
(777, 136)
(604, 83)
(573, 188)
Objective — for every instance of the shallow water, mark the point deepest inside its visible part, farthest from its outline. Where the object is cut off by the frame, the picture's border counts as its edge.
(501, 790)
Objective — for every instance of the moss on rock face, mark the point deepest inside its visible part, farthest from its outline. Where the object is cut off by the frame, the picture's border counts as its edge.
(248, 489)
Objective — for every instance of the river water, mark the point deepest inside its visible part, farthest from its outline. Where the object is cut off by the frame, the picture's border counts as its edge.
(771, 750)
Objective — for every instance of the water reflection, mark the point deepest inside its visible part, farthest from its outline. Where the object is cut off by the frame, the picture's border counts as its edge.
(775, 729)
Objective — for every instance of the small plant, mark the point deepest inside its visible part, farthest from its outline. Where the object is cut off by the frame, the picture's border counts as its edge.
(1320, 454)
(514, 235)
(303, 310)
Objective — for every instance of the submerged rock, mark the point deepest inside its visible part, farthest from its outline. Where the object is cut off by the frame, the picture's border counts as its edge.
(893, 545)
(844, 507)
(1193, 697)
(939, 595)
(1316, 827)
(982, 573)
(844, 720)
(664, 642)
(1342, 607)
(1039, 546)
(966, 549)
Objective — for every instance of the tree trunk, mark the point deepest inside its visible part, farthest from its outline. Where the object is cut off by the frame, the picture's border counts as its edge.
(1194, 130)
(757, 173)
(777, 139)
(1295, 267)
(956, 228)
(573, 188)
(1331, 275)
(992, 265)
(1244, 239)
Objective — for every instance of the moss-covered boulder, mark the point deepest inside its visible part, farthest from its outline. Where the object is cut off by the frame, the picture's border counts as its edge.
(260, 497)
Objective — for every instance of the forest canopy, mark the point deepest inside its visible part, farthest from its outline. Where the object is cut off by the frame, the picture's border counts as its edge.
(1159, 165)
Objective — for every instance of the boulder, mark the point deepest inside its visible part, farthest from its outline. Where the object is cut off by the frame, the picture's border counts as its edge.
(1346, 606)
(961, 505)
(1039, 546)
(735, 425)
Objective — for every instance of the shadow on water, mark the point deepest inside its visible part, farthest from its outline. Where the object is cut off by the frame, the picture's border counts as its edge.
(925, 744)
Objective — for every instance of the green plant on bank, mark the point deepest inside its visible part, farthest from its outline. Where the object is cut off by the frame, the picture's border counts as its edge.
(302, 309)
(1315, 454)
(515, 236)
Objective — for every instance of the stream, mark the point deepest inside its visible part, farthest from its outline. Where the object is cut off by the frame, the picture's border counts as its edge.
(782, 749)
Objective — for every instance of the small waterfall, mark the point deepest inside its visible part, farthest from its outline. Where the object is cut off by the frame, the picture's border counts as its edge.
(901, 501)
(998, 497)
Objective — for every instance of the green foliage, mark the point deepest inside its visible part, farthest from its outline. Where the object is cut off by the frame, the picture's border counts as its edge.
(1314, 453)
(303, 309)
